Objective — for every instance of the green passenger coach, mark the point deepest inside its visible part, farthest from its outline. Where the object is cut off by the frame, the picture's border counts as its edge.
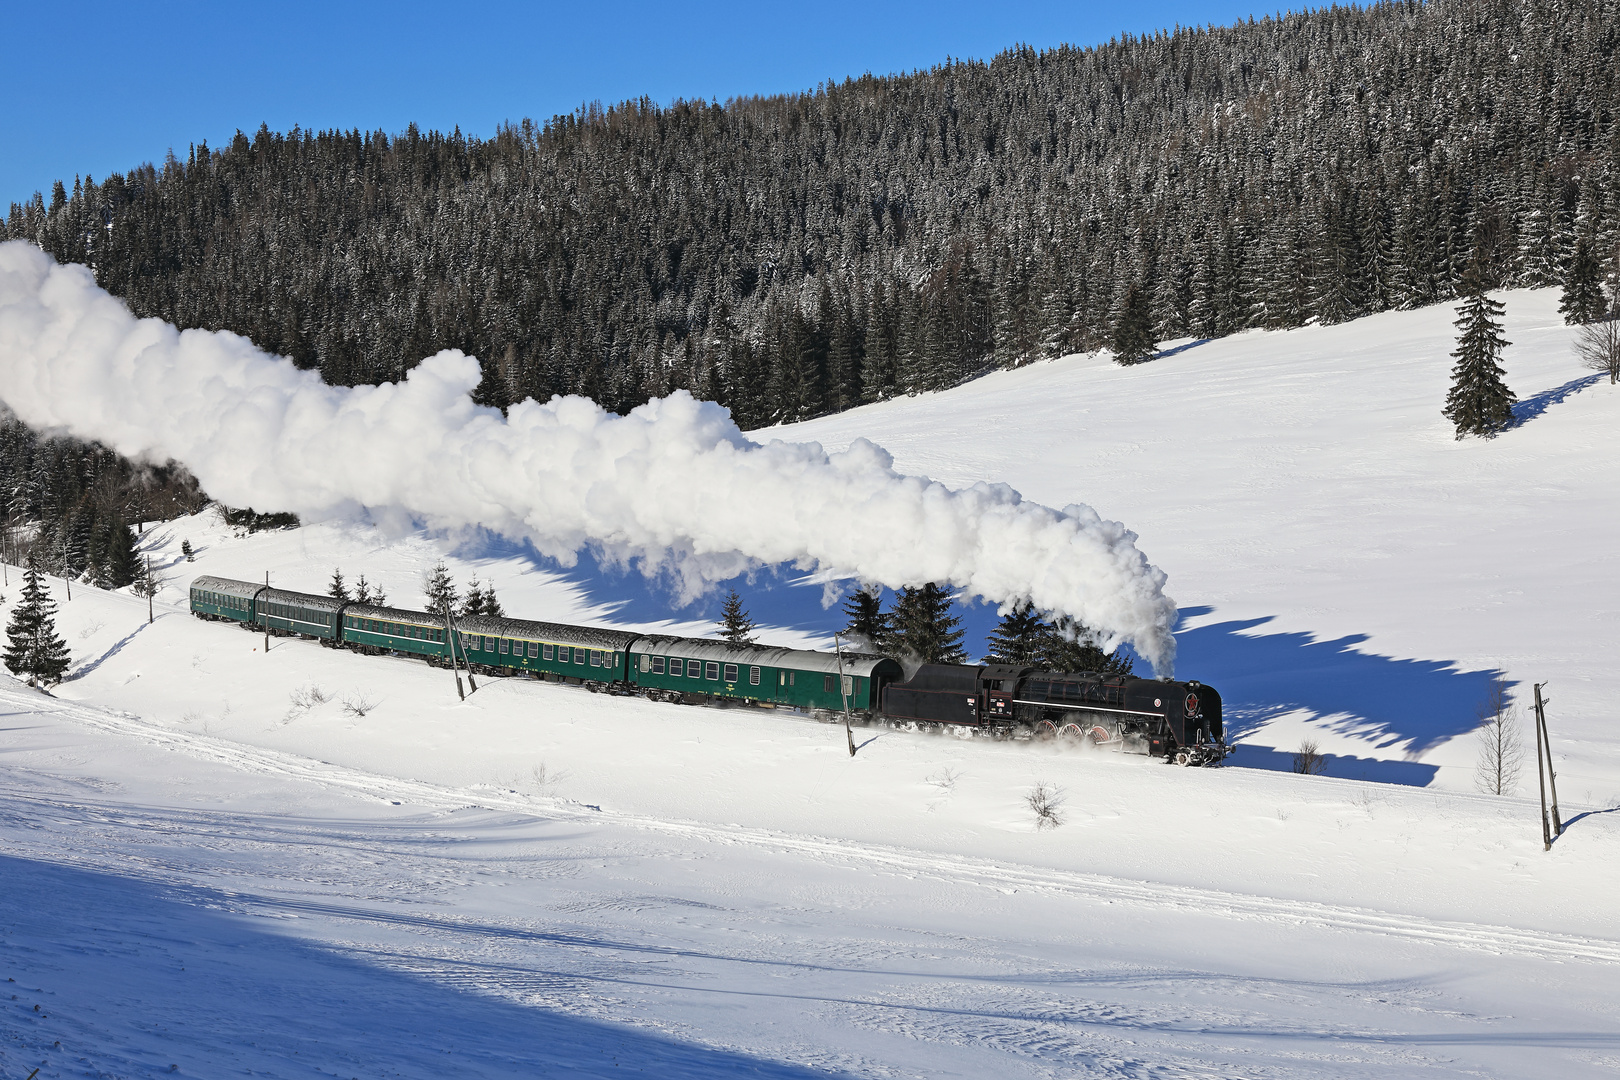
(583, 653)
(794, 678)
(225, 598)
(299, 613)
(373, 629)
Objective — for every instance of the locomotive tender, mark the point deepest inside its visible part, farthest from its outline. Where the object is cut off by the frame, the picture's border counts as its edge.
(1176, 721)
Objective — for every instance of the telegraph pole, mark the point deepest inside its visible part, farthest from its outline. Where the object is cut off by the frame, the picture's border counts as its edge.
(450, 639)
(1552, 777)
(838, 647)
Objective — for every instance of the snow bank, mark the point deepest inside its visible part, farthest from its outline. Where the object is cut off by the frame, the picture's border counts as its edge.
(675, 486)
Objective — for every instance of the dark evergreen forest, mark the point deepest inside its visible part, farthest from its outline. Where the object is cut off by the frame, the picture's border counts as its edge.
(796, 255)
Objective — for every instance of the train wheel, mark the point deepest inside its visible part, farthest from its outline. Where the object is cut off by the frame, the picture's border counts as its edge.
(1071, 732)
(1183, 758)
(1099, 735)
(1046, 730)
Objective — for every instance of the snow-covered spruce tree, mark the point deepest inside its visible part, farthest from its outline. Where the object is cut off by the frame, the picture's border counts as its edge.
(1017, 639)
(1133, 334)
(473, 602)
(1583, 287)
(869, 625)
(362, 591)
(1479, 402)
(440, 589)
(185, 549)
(1070, 646)
(33, 651)
(735, 625)
(338, 589)
(924, 626)
(492, 606)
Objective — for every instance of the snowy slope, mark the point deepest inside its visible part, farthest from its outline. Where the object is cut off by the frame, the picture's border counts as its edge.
(1342, 562)
(204, 873)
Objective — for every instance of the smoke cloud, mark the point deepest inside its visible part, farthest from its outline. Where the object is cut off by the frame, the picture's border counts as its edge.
(675, 486)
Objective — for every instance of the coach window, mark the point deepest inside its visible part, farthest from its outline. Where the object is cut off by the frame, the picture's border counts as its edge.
(657, 665)
(534, 650)
(579, 655)
(677, 667)
(596, 658)
(731, 673)
(548, 652)
(753, 676)
(503, 646)
(828, 684)
(713, 670)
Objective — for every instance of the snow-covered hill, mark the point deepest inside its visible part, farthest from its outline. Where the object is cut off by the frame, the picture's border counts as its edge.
(219, 860)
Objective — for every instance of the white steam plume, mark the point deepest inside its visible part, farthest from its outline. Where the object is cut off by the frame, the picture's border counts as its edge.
(675, 485)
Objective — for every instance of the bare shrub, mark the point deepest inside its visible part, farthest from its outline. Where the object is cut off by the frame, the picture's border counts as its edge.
(358, 705)
(1598, 346)
(1501, 743)
(945, 779)
(306, 698)
(1046, 800)
(1310, 760)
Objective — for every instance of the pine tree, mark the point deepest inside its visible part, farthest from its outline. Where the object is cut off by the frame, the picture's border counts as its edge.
(185, 549)
(924, 626)
(735, 625)
(119, 562)
(440, 589)
(492, 606)
(338, 589)
(473, 602)
(1070, 646)
(1018, 638)
(1583, 287)
(362, 591)
(32, 647)
(1133, 340)
(869, 625)
(1479, 402)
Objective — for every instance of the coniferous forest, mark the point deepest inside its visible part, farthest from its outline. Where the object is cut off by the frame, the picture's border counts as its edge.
(795, 255)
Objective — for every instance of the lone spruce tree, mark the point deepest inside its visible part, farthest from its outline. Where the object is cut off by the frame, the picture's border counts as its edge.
(735, 625)
(924, 626)
(338, 589)
(868, 624)
(440, 589)
(1479, 402)
(1018, 638)
(33, 651)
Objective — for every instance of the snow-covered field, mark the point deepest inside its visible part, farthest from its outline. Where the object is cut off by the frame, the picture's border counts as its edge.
(209, 871)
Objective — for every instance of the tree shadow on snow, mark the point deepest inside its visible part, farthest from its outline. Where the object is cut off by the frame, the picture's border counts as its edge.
(1404, 707)
(1533, 407)
(141, 978)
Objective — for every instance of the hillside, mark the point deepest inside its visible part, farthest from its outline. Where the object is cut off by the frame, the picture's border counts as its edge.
(214, 869)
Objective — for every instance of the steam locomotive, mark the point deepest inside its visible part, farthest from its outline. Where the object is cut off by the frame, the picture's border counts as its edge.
(1176, 721)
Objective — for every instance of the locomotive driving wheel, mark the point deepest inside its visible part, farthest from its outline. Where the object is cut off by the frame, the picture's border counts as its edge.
(1046, 730)
(1071, 732)
(1099, 735)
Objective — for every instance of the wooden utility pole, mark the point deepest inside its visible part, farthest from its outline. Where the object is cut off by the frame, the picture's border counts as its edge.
(849, 734)
(1541, 781)
(1552, 776)
(450, 640)
(472, 683)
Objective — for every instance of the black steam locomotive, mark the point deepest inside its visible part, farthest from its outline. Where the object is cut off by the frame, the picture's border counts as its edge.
(1177, 721)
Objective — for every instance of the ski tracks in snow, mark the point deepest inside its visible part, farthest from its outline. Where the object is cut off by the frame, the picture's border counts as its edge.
(990, 874)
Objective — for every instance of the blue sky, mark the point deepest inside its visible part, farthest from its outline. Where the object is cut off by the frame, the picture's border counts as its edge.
(100, 87)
